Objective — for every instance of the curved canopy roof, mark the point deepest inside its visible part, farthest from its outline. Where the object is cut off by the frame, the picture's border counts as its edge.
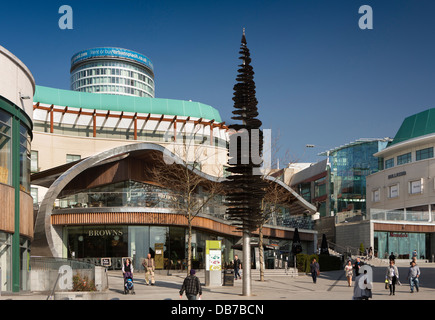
(99, 101)
(56, 179)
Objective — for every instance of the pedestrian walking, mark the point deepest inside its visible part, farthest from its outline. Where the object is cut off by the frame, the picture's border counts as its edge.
(357, 265)
(237, 266)
(392, 256)
(315, 270)
(413, 276)
(348, 271)
(370, 253)
(392, 275)
(149, 267)
(192, 286)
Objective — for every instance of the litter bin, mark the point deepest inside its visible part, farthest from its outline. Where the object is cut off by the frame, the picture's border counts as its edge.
(228, 278)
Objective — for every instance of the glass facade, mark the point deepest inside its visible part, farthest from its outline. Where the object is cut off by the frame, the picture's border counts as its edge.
(402, 244)
(349, 168)
(113, 77)
(117, 241)
(15, 139)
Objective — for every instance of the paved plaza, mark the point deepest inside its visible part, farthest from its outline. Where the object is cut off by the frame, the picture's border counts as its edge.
(277, 286)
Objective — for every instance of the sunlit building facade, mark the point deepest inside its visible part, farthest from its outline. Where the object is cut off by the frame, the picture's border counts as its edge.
(401, 197)
(16, 214)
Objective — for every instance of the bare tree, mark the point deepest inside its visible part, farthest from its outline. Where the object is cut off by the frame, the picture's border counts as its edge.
(192, 190)
(275, 196)
(271, 205)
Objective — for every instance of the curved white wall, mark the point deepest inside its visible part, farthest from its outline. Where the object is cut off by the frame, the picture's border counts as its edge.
(15, 79)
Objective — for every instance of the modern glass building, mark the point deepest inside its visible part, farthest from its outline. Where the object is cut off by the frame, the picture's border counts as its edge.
(349, 166)
(113, 71)
(338, 183)
(401, 196)
(16, 215)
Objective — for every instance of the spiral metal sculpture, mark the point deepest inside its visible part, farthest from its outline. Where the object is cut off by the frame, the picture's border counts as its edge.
(245, 187)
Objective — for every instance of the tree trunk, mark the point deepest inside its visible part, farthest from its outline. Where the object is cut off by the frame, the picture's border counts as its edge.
(261, 252)
(189, 246)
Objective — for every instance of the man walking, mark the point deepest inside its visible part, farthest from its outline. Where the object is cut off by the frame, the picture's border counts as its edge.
(192, 286)
(237, 265)
(413, 275)
(149, 266)
(314, 269)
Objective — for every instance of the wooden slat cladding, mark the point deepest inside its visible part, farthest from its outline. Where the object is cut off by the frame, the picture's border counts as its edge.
(26, 215)
(404, 227)
(7, 211)
(139, 218)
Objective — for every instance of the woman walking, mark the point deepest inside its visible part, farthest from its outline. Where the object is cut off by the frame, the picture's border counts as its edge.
(348, 271)
(392, 275)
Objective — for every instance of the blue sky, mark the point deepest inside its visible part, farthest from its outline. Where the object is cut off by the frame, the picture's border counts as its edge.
(320, 79)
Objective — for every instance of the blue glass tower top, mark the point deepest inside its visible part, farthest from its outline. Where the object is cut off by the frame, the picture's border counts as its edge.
(111, 52)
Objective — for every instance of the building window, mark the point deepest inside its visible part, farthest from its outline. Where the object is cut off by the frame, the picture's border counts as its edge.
(72, 158)
(389, 163)
(320, 187)
(376, 195)
(404, 158)
(5, 148)
(393, 191)
(24, 158)
(424, 154)
(34, 194)
(416, 186)
(34, 161)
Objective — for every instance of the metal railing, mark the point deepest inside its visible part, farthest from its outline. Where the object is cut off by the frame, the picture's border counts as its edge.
(401, 215)
(146, 199)
(45, 263)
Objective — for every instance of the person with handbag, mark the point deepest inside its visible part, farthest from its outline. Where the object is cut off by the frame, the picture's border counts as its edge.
(392, 275)
(315, 270)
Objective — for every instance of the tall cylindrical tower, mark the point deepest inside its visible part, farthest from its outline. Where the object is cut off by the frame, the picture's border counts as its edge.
(113, 71)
